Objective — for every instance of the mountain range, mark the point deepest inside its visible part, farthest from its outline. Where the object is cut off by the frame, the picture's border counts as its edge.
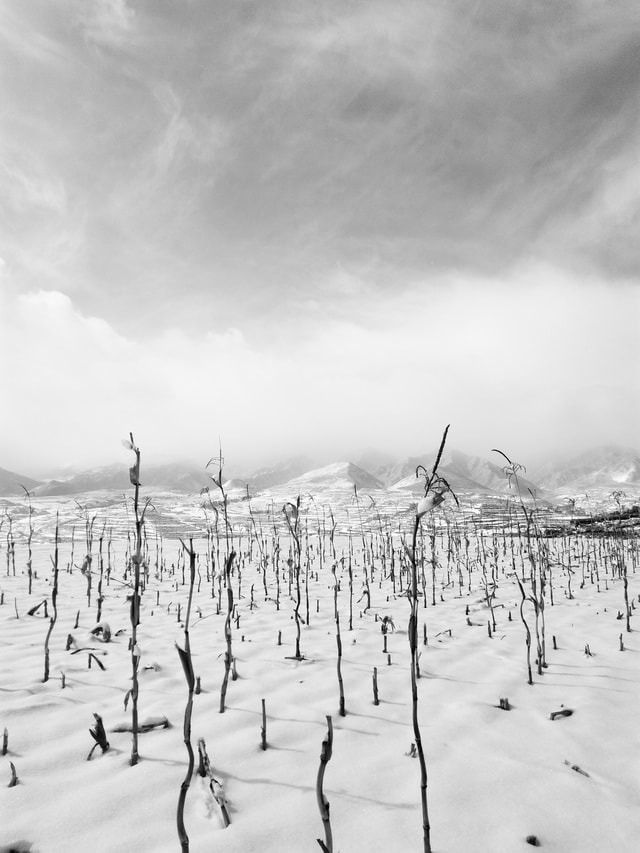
(607, 468)
(12, 484)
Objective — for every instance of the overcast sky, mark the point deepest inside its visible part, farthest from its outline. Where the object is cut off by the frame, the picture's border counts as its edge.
(317, 226)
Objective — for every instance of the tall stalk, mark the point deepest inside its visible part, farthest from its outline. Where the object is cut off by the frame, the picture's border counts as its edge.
(134, 612)
(435, 488)
(29, 539)
(622, 565)
(54, 603)
(537, 571)
(339, 666)
(413, 646)
(228, 654)
(187, 665)
(292, 515)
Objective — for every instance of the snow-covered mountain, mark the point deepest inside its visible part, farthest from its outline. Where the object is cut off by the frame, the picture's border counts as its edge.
(339, 475)
(464, 473)
(602, 469)
(184, 477)
(276, 475)
(606, 467)
(11, 484)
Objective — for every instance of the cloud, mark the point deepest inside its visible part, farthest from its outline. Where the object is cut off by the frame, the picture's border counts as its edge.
(482, 358)
(26, 187)
(199, 137)
(21, 33)
(256, 150)
(363, 221)
(106, 22)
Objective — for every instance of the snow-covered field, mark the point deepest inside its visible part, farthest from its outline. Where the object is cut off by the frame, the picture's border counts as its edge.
(496, 777)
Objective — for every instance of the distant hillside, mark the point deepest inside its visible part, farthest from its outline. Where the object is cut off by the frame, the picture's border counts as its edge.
(604, 469)
(463, 472)
(183, 477)
(11, 483)
(338, 475)
(276, 475)
(487, 473)
(608, 466)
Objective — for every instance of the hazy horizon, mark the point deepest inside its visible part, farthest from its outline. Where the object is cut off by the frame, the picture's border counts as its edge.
(368, 458)
(333, 226)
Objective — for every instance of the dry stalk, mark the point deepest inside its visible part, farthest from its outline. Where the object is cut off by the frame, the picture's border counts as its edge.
(187, 666)
(228, 655)
(323, 803)
(54, 604)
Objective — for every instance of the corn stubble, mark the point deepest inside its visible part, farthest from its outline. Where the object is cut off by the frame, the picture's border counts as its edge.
(429, 551)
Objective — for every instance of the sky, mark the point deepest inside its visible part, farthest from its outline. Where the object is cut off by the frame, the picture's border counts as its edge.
(318, 228)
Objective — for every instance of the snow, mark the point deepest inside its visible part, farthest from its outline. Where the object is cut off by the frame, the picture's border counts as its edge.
(495, 776)
(337, 475)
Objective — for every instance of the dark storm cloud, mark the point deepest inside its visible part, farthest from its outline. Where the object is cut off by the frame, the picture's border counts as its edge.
(249, 197)
(259, 145)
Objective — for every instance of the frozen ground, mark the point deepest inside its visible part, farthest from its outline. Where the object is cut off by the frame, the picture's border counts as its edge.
(495, 776)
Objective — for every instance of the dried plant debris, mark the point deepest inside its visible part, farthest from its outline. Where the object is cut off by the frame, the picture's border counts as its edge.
(563, 712)
(576, 768)
(99, 735)
(215, 785)
(146, 726)
(34, 610)
(102, 631)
